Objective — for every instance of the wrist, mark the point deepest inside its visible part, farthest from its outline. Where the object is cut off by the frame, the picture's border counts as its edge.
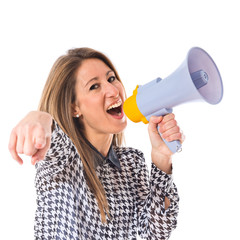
(44, 116)
(162, 162)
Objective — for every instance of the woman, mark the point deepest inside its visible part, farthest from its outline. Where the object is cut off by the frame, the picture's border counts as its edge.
(88, 186)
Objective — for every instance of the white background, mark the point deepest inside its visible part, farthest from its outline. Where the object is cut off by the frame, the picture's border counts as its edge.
(145, 40)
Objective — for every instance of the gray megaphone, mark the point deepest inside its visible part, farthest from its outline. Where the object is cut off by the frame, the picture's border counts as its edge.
(196, 79)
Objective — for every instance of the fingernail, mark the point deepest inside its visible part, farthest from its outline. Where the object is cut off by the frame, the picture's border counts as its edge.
(38, 145)
(33, 161)
(154, 118)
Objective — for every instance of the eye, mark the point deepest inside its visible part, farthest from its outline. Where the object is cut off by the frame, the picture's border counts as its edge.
(111, 79)
(94, 86)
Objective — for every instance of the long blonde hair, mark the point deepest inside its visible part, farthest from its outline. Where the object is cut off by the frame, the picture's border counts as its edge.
(57, 98)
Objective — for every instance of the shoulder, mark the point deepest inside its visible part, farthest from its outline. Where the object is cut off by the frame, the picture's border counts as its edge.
(132, 162)
(129, 156)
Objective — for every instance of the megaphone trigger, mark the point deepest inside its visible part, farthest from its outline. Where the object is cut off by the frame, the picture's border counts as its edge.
(174, 146)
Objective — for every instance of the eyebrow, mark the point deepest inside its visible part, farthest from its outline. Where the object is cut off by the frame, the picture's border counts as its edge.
(96, 78)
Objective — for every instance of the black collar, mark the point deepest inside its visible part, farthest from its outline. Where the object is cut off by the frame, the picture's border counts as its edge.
(111, 156)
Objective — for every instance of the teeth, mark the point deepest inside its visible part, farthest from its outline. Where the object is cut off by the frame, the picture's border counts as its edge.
(119, 103)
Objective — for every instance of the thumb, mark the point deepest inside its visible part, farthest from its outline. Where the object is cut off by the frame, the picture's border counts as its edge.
(42, 150)
(40, 142)
(155, 138)
(153, 123)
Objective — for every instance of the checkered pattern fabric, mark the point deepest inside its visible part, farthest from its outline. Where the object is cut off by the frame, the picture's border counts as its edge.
(67, 209)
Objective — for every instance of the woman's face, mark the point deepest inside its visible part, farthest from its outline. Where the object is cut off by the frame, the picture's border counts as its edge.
(99, 98)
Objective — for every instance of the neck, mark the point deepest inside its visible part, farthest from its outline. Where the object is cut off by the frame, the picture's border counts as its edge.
(101, 142)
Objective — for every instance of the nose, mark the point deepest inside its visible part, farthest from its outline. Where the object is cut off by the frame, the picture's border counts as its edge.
(111, 90)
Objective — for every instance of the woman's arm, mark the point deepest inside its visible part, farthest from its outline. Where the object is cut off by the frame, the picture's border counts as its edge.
(155, 219)
(161, 155)
(158, 203)
(31, 136)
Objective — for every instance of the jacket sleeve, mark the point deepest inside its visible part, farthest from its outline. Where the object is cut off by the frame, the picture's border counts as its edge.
(60, 153)
(154, 222)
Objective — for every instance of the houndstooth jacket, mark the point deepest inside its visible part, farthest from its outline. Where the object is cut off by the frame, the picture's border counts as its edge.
(68, 210)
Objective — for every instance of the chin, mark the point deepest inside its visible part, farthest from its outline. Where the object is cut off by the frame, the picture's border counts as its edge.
(120, 128)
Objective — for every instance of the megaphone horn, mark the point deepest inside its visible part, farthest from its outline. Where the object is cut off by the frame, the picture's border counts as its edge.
(196, 79)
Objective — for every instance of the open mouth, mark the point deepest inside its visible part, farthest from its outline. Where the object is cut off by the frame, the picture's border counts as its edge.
(115, 109)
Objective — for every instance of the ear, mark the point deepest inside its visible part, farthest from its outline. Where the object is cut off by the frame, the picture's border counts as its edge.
(75, 110)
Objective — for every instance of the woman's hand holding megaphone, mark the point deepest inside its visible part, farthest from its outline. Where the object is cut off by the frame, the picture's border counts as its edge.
(170, 131)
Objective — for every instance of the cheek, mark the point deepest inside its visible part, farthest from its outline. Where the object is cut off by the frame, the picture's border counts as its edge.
(90, 106)
(121, 90)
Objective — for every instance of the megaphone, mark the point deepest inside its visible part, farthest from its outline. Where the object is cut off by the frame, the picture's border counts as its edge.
(196, 79)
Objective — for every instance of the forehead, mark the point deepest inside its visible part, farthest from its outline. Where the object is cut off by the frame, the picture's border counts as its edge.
(91, 68)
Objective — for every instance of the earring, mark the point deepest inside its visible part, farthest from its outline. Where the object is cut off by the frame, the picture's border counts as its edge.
(77, 116)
